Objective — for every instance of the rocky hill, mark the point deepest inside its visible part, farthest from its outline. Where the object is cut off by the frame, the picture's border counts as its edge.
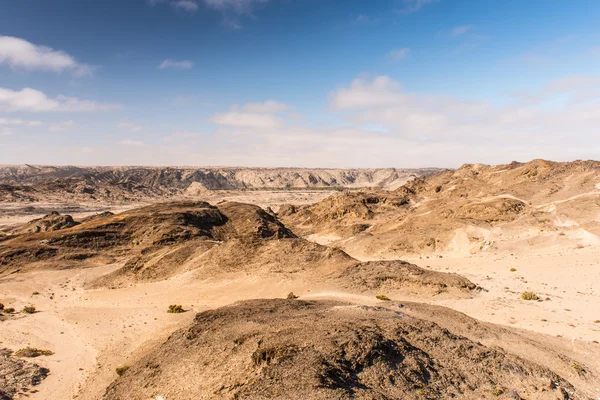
(472, 209)
(30, 182)
(294, 349)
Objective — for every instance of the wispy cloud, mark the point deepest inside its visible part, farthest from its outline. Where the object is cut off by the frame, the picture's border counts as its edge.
(190, 6)
(399, 54)
(31, 100)
(21, 54)
(461, 30)
(252, 115)
(61, 126)
(7, 121)
(128, 142)
(130, 126)
(176, 64)
(411, 6)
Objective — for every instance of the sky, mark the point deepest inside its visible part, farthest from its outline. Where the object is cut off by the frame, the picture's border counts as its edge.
(298, 83)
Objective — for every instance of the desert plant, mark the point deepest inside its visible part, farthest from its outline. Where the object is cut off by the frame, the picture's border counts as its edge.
(9, 310)
(32, 352)
(175, 309)
(529, 296)
(382, 297)
(35, 293)
(579, 368)
(497, 391)
(29, 309)
(122, 369)
(513, 270)
(1, 306)
(292, 296)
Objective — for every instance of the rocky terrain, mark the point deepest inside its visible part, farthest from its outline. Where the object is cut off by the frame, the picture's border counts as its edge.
(475, 208)
(187, 294)
(28, 183)
(293, 349)
(166, 239)
(17, 376)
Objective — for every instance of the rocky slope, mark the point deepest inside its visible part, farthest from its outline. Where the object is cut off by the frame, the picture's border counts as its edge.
(293, 349)
(465, 211)
(166, 239)
(30, 183)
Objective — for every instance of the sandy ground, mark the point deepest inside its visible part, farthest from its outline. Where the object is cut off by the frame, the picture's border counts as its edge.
(94, 331)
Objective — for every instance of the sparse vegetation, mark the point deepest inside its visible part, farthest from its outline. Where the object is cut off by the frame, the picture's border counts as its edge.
(31, 352)
(497, 391)
(35, 293)
(382, 297)
(579, 368)
(175, 309)
(292, 296)
(529, 296)
(9, 310)
(122, 369)
(513, 270)
(1, 306)
(29, 309)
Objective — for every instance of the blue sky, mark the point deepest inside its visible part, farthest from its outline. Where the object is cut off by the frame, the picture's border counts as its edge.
(315, 83)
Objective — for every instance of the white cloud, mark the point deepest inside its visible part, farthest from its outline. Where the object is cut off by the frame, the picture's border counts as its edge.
(252, 115)
(461, 30)
(410, 6)
(21, 54)
(130, 126)
(237, 6)
(131, 143)
(190, 6)
(6, 131)
(399, 54)
(187, 5)
(32, 100)
(176, 64)
(242, 119)
(7, 121)
(528, 119)
(61, 126)
(267, 107)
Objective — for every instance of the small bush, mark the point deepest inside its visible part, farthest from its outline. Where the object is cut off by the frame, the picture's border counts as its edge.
(1, 306)
(497, 391)
(175, 309)
(9, 310)
(529, 296)
(382, 297)
(31, 352)
(292, 296)
(35, 293)
(513, 270)
(121, 370)
(579, 368)
(29, 309)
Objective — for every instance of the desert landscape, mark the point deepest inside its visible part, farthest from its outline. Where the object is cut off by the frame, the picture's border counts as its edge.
(480, 282)
(299, 200)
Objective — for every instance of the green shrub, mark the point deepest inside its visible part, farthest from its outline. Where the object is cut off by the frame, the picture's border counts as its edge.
(529, 296)
(382, 297)
(175, 309)
(32, 352)
(122, 369)
(29, 309)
